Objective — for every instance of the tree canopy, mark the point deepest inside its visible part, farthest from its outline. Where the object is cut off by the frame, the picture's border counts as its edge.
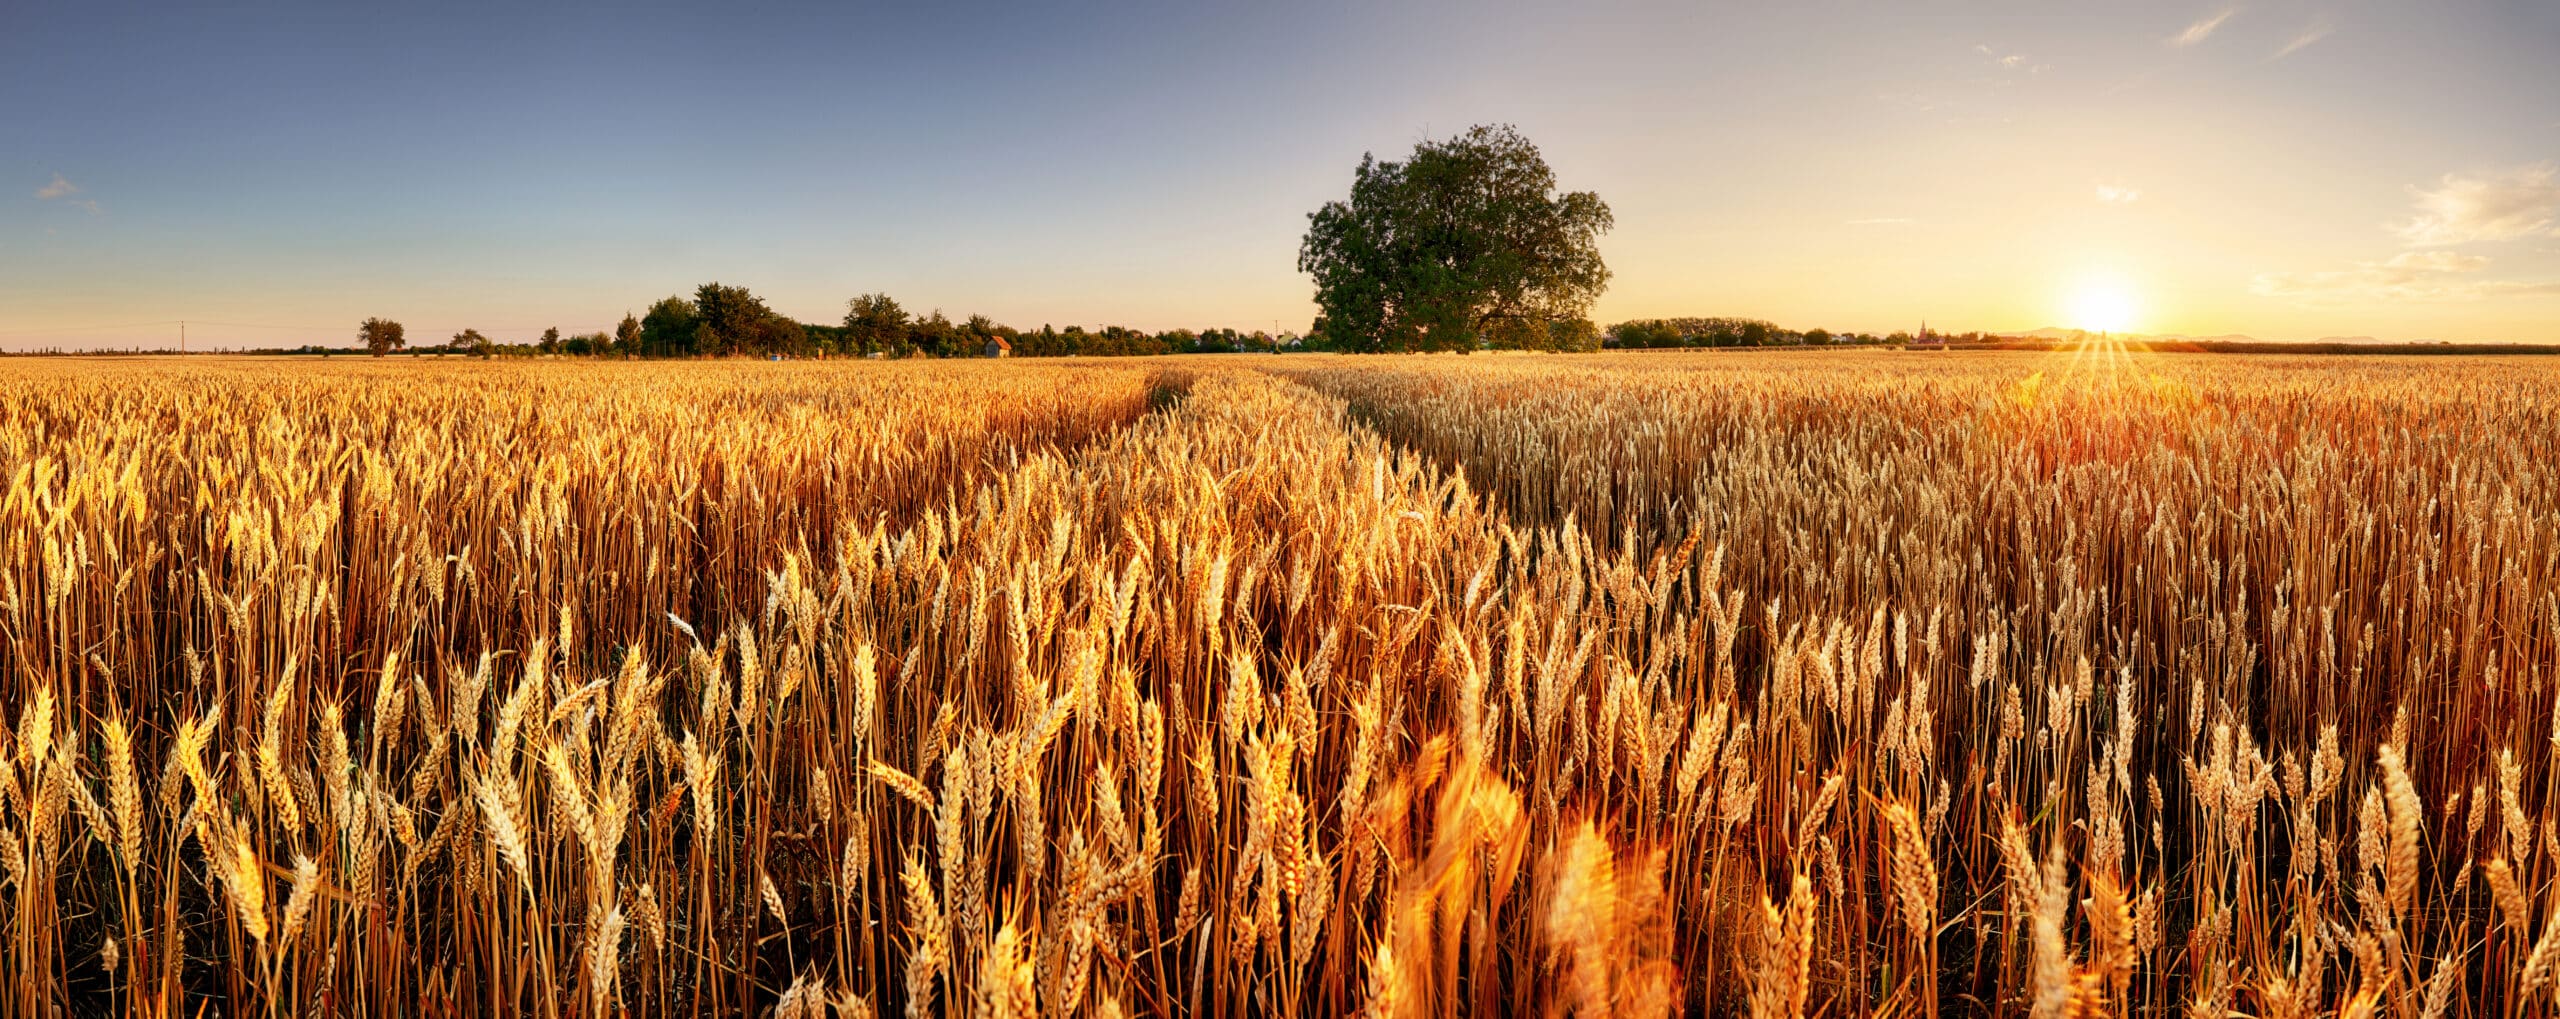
(875, 322)
(381, 335)
(667, 329)
(1466, 243)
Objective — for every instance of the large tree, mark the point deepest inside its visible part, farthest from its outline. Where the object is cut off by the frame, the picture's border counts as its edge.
(1465, 242)
(381, 335)
(875, 322)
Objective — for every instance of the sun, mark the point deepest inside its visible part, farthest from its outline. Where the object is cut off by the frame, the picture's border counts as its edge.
(2104, 304)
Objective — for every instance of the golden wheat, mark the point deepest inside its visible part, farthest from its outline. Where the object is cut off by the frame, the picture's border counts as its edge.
(1692, 683)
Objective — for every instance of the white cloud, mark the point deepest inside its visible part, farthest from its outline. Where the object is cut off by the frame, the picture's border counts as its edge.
(61, 190)
(2118, 194)
(2409, 277)
(2436, 261)
(2499, 206)
(2319, 30)
(2202, 29)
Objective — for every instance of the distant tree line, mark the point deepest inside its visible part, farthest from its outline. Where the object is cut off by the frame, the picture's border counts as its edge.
(720, 320)
(1648, 333)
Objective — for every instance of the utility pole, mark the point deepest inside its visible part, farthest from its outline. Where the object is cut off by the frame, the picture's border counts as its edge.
(182, 336)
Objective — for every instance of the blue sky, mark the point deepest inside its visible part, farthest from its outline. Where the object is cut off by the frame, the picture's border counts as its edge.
(2289, 169)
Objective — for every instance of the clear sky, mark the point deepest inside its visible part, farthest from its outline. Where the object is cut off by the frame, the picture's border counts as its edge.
(2283, 168)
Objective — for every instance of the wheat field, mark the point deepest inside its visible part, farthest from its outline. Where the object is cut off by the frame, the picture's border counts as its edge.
(1761, 683)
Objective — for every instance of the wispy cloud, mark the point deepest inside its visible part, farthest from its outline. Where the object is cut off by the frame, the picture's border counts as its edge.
(2118, 194)
(2203, 28)
(2498, 206)
(1882, 221)
(62, 190)
(2319, 30)
(2409, 277)
(2503, 205)
(2011, 61)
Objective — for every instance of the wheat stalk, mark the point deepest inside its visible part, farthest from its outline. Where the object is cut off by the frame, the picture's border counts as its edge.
(1778, 990)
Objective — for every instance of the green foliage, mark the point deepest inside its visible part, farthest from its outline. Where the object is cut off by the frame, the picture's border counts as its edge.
(874, 322)
(1724, 332)
(1575, 335)
(1702, 332)
(721, 320)
(676, 327)
(1464, 241)
(730, 320)
(1561, 335)
(718, 320)
(935, 335)
(1650, 332)
(381, 336)
(668, 329)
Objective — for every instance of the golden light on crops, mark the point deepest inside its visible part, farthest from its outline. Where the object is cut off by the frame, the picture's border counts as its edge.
(1710, 682)
(2104, 303)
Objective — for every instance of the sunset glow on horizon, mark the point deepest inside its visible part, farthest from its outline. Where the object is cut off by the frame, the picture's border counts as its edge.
(2284, 170)
(2105, 304)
